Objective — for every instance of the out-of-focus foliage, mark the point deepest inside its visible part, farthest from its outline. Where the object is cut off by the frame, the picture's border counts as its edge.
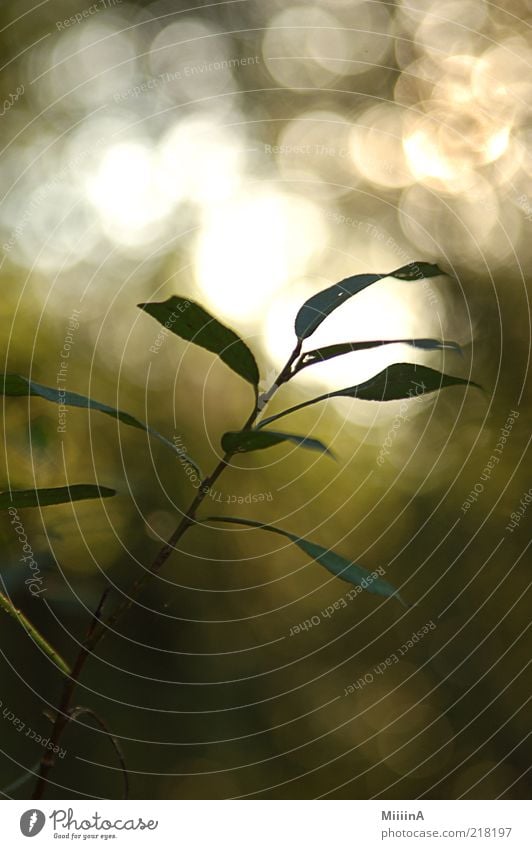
(191, 322)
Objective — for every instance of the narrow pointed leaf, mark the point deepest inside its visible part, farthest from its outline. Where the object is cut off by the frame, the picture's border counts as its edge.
(15, 385)
(398, 381)
(334, 563)
(190, 321)
(53, 495)
(319, 306)
(8, 607)
(241, 441)
(320, 355)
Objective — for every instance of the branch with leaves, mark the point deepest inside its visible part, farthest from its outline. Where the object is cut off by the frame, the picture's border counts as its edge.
(191, 322)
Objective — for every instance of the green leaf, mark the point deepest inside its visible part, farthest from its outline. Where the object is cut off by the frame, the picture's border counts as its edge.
(398, 381)
(190, 321)
(53, 495)
(319, 306)
(320, 355)
(334, 563)
(241, 441)
(8, 607)
(15, 385)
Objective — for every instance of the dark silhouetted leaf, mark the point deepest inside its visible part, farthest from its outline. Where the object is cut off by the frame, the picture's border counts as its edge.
(398, 381)
(16, 386)
(334, 563)
(319, 306)
(8, 607)
(191, 322)
(254, 440)
(53, 495)
(330, 351)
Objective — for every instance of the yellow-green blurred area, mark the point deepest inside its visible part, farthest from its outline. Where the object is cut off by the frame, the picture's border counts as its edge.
(246, 155)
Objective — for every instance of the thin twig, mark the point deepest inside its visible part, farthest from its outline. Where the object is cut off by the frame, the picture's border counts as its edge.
(95, 633)
(62, 715)
(18, 782)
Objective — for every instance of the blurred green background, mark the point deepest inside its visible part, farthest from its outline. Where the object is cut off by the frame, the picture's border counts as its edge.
(247, 155)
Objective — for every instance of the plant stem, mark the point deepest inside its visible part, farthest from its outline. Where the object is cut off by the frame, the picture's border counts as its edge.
(62, 716)
(95, 633)
(7, 605)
